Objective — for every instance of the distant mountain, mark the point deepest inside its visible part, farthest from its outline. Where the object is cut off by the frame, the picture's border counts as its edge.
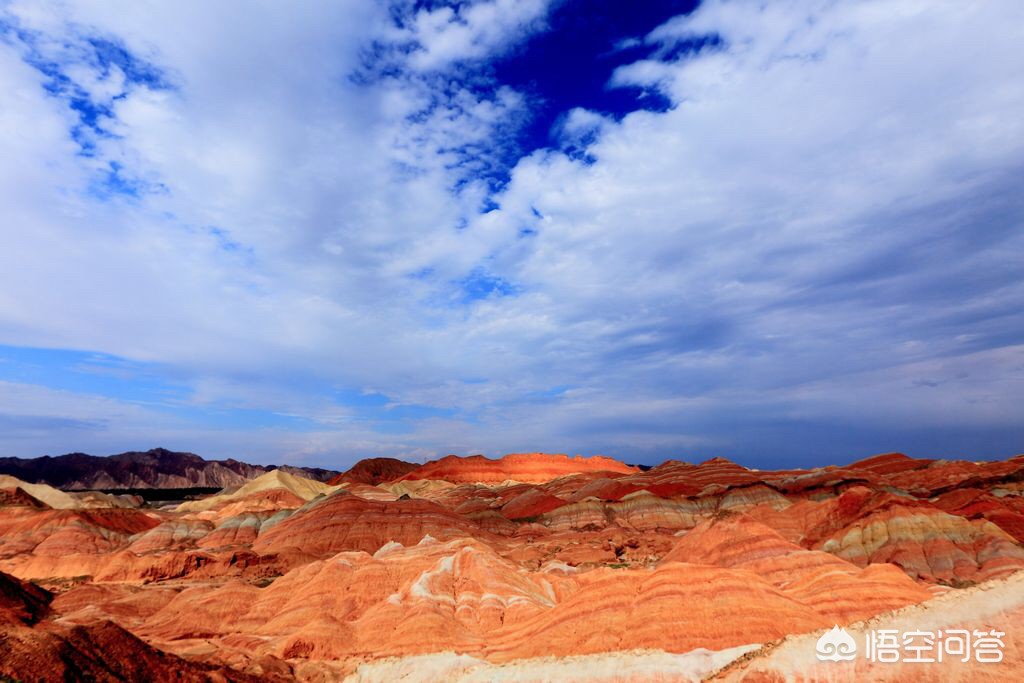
(156, 468)
(374, 471)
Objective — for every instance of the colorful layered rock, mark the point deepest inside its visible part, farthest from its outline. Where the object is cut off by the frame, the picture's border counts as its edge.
(530, 566)
(374, 471)
(37, 648)
(533, 468)
(262, 488)
(346, 522)
(999, 605)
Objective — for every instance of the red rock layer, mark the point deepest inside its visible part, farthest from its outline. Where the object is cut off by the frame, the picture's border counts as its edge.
(463, 596)
(56, 532)
(837, 588)
(295, 579)
(22, 602)
(346, 522)
(998, 605)
(1006, 510)
(523, 467)
(36, 649)
(530, 503)
(374, 471)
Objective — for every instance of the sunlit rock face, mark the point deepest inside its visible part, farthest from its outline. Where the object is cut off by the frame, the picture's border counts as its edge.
(531, 567)
(998, 604)
(347, 522)
(522, 467)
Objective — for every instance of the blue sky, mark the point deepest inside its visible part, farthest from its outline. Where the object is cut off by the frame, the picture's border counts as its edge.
(787, 233)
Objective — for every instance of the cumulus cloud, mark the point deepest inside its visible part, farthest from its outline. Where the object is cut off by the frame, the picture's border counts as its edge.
(814, 251)
(827, 200)
(439, 35)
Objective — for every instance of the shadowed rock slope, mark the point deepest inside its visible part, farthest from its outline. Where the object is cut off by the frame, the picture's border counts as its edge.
(34, 647)
(374, 471)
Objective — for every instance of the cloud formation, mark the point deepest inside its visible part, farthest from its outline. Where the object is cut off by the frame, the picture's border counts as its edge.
(813, 254)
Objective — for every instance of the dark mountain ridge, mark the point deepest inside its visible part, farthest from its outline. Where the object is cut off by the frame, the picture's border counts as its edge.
(155, 468)
(374, 471)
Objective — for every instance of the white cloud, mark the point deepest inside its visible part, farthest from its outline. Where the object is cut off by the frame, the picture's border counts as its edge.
(446, 34)
(831, 209)
(821, 202)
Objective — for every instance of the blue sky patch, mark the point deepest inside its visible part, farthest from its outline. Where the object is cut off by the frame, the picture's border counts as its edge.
(481, 285)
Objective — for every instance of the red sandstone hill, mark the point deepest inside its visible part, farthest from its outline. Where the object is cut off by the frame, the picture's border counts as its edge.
(348, 522)
(22, 602)
(374, 471)
(523, 467)
(33, 647)
(531, 567)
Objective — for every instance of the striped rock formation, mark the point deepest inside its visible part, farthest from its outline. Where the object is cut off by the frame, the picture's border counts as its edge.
(463, 596)
(344, 521)
(531, 566)
(374, 471)
(998, 605)
(521, 467)
(35, 647)
(273, 481)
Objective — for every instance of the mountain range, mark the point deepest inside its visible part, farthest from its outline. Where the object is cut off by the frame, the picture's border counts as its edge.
(155, 468)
